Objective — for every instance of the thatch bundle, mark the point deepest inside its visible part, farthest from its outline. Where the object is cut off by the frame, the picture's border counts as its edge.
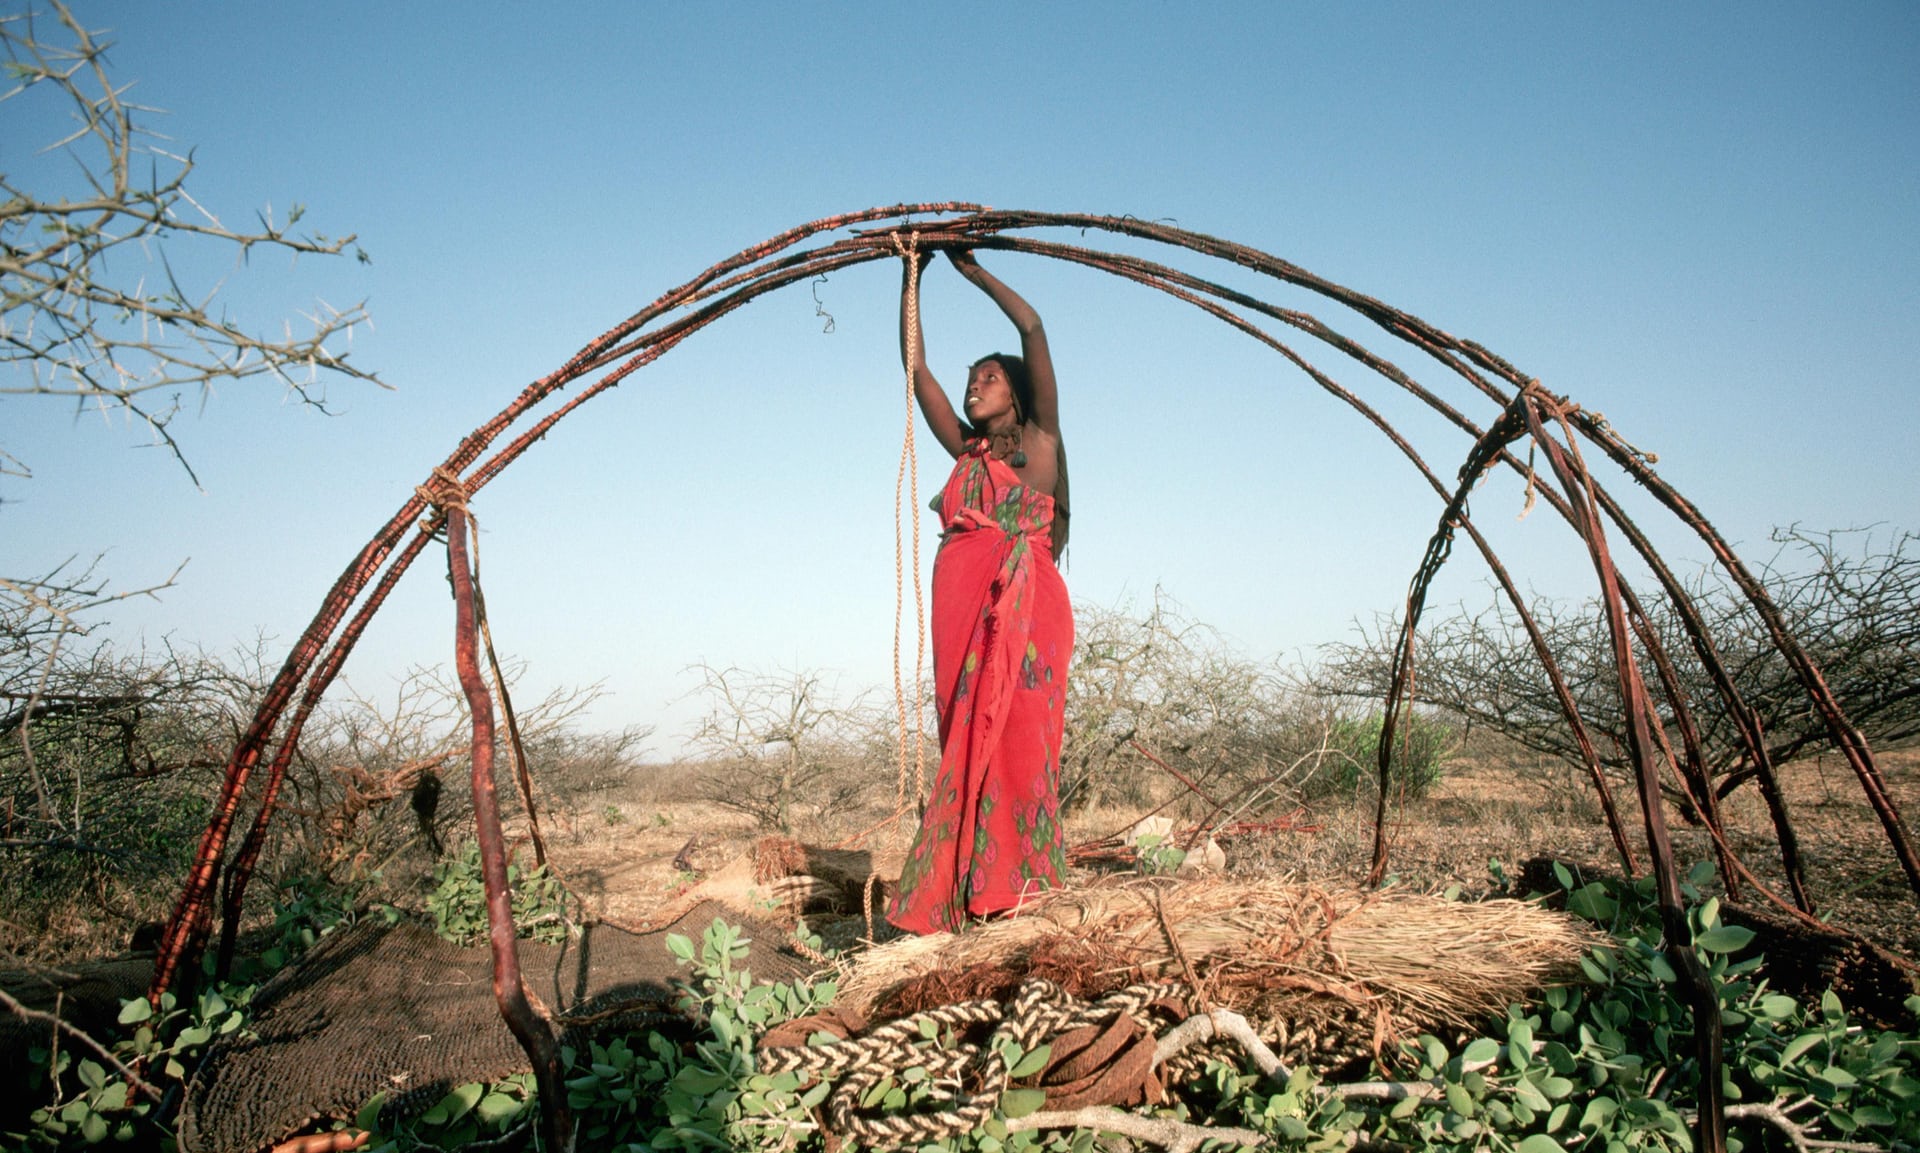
(1287, 955)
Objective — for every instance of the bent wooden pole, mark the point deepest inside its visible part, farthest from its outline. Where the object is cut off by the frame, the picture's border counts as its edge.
(509, 991)
(1710, 1130)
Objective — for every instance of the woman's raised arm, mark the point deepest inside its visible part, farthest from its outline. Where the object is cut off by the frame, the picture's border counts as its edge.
(934, 404)
(1033, 339)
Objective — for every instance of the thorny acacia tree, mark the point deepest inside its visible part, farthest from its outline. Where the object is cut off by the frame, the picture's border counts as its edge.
(90, 307)
(95, 310)
(1853, 600)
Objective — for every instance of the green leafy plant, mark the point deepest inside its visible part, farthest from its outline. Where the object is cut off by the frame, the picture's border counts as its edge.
(458, 902)
(93, 1100)
(1157, 855)
(1421, 746)
(1606, 1065)
(1609, 1065)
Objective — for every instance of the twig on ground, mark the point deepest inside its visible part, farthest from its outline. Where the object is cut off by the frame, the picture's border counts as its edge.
(1779, 1116)
(81, 1035)
(1171, 1135)
(1222, 1023)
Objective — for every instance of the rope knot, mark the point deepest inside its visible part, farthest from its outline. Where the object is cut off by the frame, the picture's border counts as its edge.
(443, 490)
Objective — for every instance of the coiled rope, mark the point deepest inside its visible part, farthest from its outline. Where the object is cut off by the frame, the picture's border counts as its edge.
(1038, 1011)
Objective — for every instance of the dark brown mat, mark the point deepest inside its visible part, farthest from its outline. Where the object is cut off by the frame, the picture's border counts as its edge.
(394, 1008)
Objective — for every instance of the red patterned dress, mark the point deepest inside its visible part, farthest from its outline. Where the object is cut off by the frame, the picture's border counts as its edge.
(1002, 642)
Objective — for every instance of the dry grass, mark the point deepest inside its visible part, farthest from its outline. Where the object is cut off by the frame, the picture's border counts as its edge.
(1270, 949)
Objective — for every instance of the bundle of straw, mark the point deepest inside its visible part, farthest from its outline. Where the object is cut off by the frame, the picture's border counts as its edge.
(1279, 952)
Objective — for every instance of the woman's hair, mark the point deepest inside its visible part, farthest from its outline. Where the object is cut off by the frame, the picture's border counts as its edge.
(1017, 377)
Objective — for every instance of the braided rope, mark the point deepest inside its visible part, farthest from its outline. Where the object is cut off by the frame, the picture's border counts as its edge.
(906, 486)
(1038, 1011)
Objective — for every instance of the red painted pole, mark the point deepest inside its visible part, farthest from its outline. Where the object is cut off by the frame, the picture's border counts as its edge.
(529, 1028)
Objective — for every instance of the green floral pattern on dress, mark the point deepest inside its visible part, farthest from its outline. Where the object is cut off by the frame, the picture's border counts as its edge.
(1002, 640)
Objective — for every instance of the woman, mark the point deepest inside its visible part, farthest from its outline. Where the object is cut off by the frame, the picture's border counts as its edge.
(1002, 629)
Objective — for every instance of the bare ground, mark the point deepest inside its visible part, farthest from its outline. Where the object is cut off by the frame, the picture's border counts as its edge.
(620, 852)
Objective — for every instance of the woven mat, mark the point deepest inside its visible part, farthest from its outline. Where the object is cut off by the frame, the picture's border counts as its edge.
(396, 1009)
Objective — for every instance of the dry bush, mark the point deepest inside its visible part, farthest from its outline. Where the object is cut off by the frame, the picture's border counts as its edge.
(781, 747)
(1248, 735)
(379, 782)
(108, 760)
(1851, 598)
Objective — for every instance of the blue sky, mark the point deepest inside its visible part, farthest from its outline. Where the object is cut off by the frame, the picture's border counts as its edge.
(1700, 220)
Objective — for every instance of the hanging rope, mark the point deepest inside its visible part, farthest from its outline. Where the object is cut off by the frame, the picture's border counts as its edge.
(906, 487)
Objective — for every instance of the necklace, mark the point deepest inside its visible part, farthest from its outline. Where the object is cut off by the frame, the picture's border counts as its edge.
(1004, 444)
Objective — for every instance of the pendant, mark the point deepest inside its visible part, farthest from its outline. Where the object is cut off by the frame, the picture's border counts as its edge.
(1018, 459)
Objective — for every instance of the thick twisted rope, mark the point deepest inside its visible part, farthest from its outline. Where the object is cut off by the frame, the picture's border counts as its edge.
(1038, 1011)
(906, 486)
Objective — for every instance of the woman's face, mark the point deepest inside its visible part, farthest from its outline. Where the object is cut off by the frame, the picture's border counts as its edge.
(989, 393)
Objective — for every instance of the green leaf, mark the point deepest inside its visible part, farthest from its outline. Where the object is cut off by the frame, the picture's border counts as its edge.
(135, 1011)
(93, 1127)
(1016, 1103)
(460, 1101)
(496, 1107)
(680, 946)
(1528, 1094)
(1725, 939)
(369, 1115)
(1539, 1143)
(1599, 1113)
(1459, 1100)
(1592, 902)
(1031, 1063)
(1479, 1050)
(1838, 1077)
(1520, 1033)
(1798, 1047)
